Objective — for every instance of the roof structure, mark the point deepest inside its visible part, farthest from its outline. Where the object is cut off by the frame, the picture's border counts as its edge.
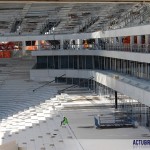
(50, 17)
(40, 18)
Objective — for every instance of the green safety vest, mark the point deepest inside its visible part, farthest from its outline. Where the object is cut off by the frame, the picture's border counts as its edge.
(65, 121)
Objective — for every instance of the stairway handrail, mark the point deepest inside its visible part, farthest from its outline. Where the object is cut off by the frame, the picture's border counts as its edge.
(48, 83)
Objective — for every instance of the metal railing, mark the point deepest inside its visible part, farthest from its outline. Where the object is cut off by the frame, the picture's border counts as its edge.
(140, 48)
(47, 83)
(143, 48)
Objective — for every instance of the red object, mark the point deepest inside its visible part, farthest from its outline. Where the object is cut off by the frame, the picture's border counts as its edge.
(1, 54)
(126, 40)
(7, 46)
(7, 54)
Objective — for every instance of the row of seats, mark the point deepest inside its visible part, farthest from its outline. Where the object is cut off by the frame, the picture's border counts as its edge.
(32, 119)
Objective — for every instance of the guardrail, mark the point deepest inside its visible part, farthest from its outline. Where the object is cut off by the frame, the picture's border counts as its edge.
(142, 48)
(47, 83)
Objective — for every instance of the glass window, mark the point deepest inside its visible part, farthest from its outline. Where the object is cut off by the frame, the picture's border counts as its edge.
(81, 81)
(81, 62)
(51, 62)
(64, 62)
(89, 62)
(86, 82)
(28, 43)
(76, 81)
(101, 62)
(71, 61)
(75, 62)
(56, 62)
(96, 62)
(90, 83)
(69, 80)
(61, 80)
(41, 62)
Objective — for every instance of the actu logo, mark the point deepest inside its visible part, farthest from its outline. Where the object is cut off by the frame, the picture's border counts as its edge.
(141, 142)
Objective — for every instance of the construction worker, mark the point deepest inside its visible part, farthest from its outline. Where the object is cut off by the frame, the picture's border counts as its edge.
(86, 44)
(64, 121)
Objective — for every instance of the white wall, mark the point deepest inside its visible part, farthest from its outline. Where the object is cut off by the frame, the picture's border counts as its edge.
(140, 57)
(99, 76)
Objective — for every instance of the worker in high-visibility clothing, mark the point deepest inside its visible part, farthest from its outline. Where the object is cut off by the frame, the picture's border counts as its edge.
(86, 45)
(64, 121)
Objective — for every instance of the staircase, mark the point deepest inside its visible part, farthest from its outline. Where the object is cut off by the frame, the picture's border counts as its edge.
(132, 17)
(32, 119)
(87, 24)
(13, 68)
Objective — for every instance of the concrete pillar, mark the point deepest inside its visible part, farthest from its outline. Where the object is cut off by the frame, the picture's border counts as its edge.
(139, 40)
(71, 44)
(78, 43)
(131, 42)
(146, 39)
(61, 44)
(147, 42)
(120, 40)
(23, 47)
(114, 41)
(38, 45)
(110, 40)
(116, 102)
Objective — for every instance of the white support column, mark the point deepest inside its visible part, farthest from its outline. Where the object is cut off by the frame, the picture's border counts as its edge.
(110, 40)
(139, 40)
(78, 44)
(131, 42)
(120, 40)
(114, 41)
(71, 44)
(38, 45)
(147, 38)
(61, 44)
(147, 42)
(23, 47)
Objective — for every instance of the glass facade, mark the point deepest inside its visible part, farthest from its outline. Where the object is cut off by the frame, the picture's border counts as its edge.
(133, 68)
(132, 109)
